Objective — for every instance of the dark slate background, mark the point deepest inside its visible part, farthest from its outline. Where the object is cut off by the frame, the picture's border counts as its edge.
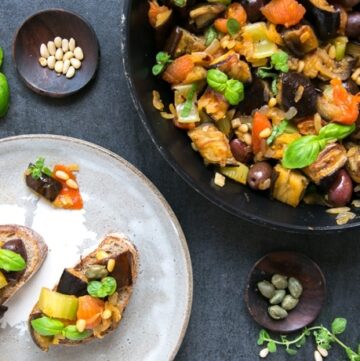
(223, 248)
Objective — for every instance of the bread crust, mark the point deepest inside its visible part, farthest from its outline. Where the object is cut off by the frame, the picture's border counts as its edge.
(114, 244)
(36, 250)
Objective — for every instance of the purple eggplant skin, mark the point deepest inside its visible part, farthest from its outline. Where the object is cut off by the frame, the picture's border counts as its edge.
(347, 4)
(290, 83)
(257, 95)
(351, 86)
(70, 284)
(46, 186)
(17, 246)
(252, 8)
(326, 21)
(341, 191)
(352, 29)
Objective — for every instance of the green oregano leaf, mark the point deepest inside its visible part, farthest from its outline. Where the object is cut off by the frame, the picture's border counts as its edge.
(338, 326)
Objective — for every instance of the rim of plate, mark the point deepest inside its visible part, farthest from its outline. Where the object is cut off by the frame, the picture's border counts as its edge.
(158, 195)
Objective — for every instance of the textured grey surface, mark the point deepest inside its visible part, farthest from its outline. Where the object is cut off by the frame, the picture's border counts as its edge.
(222, 247)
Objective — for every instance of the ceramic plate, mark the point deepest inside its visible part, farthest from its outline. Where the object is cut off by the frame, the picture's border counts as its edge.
(117, 198)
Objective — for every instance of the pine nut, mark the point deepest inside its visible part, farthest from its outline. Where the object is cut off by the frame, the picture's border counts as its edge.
(244, 128)
(66, 66)
(76, 63)
(317, 356)
(73, 167)
(72, 44)
(100, 255)
(301, 66)
(219, 179)
(59, 66)
(61, 175)
(59, 54)
(51, 62)
(57, 42)
(44, 52)
(78, 53)
(71, 72)
(247, 138)
(264, 352)
(272, 102)
(51, 47)
(43, 62)
(265, 133)
(110, 265)
(106, 314)
(235, 123)
(332, 52)
(72, 184)
(80, 325)
(355, 74)
(68, 55)
(322, 351)
(65, 45)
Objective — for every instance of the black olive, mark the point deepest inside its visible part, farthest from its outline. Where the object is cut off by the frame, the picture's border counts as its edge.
(241, 151)
(252, 8)
(340, 192)
(351, 86)
(259, 176)
(352, 29)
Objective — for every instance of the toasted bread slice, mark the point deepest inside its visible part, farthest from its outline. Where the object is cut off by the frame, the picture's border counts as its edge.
(115, 246)
(36, 250)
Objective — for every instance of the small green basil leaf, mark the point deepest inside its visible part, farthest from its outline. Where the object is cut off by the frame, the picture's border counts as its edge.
(189, 103)
(233, 26)
(210, 35)
(264, 72)
(47, 171)
(338, 326)
(291, 351)
(277, 130)
(302, 152)
(217, 80)
(280, 61)
(46, 326)
(162, 57)
(157, 69)
(72, 333)
(271, 346)
(274, 87)
(234, 92)
(11, 261)
(102, 289)
(336, 131)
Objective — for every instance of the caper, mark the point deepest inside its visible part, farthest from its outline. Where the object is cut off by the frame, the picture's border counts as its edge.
(278, 297)
(266, 289)
(295, 287)
(279, 281)
(96, 271)
(289, 303)
(277, 313)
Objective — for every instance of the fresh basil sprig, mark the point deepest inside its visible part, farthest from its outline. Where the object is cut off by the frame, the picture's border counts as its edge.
(162, 60)
(38, 168)
(46, 326)
(233, 26)
(11, 261)
(280, 61)
(233, 90)
(189, 102)
(323, 337)
(101, 289)
(305, 150)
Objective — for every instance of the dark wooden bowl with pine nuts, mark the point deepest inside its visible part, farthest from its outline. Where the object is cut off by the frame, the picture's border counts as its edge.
(293, 267)
(56, 52)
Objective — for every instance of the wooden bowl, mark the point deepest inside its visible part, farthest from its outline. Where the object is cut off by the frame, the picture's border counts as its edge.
(290, 264)
(42, 27)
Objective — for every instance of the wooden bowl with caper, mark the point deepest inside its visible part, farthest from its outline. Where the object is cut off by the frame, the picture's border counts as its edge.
(285, 291)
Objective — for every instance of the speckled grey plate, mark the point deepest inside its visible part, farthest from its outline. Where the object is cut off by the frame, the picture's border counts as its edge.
(117, 198)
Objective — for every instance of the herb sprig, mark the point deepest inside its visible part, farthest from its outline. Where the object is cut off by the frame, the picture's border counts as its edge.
(323, 337)
(162, 60)
(38, 168)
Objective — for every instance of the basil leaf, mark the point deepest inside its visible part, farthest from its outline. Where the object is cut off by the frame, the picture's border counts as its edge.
(264, 72)
(277, 130)
(11, 261)
(274, 87)
(162, 59)
(46, 326)
(157, 69)
(336, 131)
(234, 91)
(338, 326)
(302, 152)
(189, 103)
(280, 61)
(210, 35)
(217, 80)
(291, 351)
(271, 346)
(72, 333)
(1, 56)
(180, 3)
(233, 26)
(102, 289)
